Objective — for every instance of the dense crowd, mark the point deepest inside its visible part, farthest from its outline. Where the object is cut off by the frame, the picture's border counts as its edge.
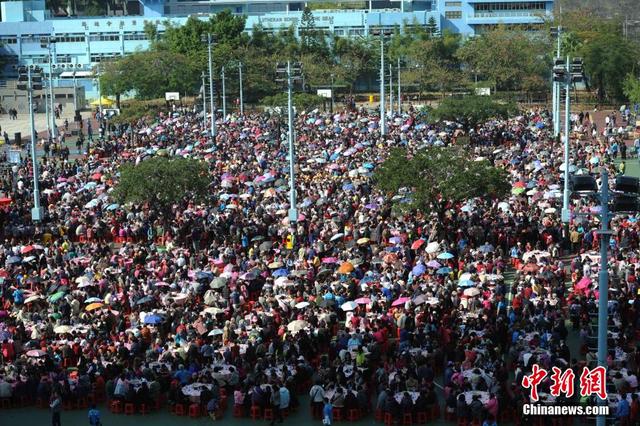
(359, 306)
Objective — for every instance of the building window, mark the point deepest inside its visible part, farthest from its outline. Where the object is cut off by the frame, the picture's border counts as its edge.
(453, 14)
(453, 4)
(8, 40)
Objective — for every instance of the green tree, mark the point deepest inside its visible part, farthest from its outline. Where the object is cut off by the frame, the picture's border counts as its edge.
(471, 110)
(162, 182)
(307, 28)
(302, 101)
(113, 77)
(432, 27)
(631, 88)
(436, 175)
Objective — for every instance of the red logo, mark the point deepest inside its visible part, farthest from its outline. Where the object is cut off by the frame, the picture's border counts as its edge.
(591, 382)
(562, 382)
(533, 380)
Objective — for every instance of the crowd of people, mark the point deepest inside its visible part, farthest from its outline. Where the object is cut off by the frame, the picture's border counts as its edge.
(358, 306)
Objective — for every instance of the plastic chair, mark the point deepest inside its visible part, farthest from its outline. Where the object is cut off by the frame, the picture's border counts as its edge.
(407, 419)
(268, 414)
(238, 411)
(194, 411)
(129, 408)
(256, 412)
(179, 409)
(143, 409)
(388, 419)
(353, 415)
(116, 407)
(337, 414)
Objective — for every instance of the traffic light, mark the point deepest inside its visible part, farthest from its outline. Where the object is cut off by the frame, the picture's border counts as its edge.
(583, 183)
(577, 69)
(23, 78)
(559, 70)
(628, 185)
(625, 203)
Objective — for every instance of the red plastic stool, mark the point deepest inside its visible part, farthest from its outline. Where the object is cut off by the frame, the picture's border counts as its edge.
(462, 422)
(256, 412)
(423, 417)
(238, 411)
(116, 407)
(285, 412)
(194, 411)
(379, 415)
(388, 419)
(67, 405)
(82, 402)
(144, 409)
(179, 410)
(353, 415)
(268, 414)
(5, 403)
(407, 419)
(450, 417)
(129, 408)
(337, 414)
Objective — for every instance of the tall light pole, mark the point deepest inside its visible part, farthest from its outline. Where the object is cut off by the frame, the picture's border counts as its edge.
(603, 281)
(99, 92)
(399, 91)
(209, 40)
(51, 46)
(332, 80)
(383, 124)
(204, 101)
(390, 89)
(30, 82)
(46, 110)
(567, 113)
(558, 93)
(241, 94)
(291, 74)
(224, 94)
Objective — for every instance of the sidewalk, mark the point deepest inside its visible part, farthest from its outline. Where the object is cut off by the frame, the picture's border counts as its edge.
(22, 124)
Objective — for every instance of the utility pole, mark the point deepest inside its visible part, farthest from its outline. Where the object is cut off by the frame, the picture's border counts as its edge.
(209, 40)
(603, 280)
(240, 79)
(557, 92)
(332, 82)
(383, 124)
(399, 91)
(51, 46)
(30, 82)
(99, 93)
(567, 116)
(390, 89)
(204, 101)
(224, 96)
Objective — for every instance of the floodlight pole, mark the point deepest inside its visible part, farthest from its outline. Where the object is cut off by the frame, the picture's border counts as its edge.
(36, 212)
(293, 211)
(603, 281)
(240, 80)
(224, 95)
(383, 125)
(567, 114)
(213, 108)
(204, 101)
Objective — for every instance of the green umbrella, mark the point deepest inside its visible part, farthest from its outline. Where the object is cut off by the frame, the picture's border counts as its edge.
(56, 315)
(517, 191)
(56, 296)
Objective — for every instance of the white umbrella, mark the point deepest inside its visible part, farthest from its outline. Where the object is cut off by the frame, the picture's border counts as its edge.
(337, 236)
(302, 305)
(213, 310)
(297, 325)
(62, 329)
(349, 306)
(432, 247)
(472, 292)
(216, 332)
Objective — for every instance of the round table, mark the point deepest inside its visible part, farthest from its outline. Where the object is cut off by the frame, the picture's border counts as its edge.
(414, 396)
(194, 390)
(484, 396)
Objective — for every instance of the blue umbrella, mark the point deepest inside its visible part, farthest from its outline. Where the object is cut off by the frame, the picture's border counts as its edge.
(145, 299)
(348, 187)
(466, 283)
(153, 319)
(113, 206)
(14, 259)
(486, 248)
(369, 166)
(418, 270)
(444, 271)
(202, 275)
(540, 125)
(445, 256)
(282, 272)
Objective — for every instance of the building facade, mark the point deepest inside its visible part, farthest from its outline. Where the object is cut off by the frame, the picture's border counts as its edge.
(81, 42)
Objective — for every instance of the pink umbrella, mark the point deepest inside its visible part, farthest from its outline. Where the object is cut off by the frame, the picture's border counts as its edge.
(36, 353)
(162, 284)
(400, 301)
(329, 260)
(363, 301)
(583, 283)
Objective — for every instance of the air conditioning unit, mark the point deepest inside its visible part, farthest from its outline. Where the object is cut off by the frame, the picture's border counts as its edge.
(79, 66)
(63, 66)
(54, 66)
(32, 67)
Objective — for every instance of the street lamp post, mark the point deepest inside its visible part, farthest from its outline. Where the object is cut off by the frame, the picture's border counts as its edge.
(383, 124)
(51, 46)
(209, 40)
(390, 89)
(241, 94)
(291, 74)
(603, 280)
(399, 91)
(204, 101)
(224, 94)
(30, 82)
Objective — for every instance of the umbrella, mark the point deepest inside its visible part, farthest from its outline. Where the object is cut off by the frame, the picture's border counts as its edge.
(486, 248)
(349, 306)
(363, 301)
(218, 282)
(28, 259)
(433, 264)
(400, 301)
(26, 249)
(329, 260)
(249, 276)
(62, 329)
(583, 283)
(535, 253)
(472, 292)
(302, 305)
(530, 267)
(433, 247)
(14, 259)
(517, 191)
(93, 300)
(466, 283)
(444, 271)
(297, 325)
(275, 265)
(445, 256)
(282, 272)
(346, 268)
(265, 246)
(362, 241)
(33, 298)
(216, 332)
(143, 300)
(153, 319)
(419, 270)
(417, 244)
(213, 310)
(204, 275)
(93, 306)
(395, 240)
(337, 236)
(56, 296)
(36, 353)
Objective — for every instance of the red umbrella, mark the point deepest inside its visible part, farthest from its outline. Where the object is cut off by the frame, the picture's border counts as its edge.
(531, 267)
(26, 249)
(583, 283)
(417, 244)
(96, 176)
(5, 201)
(520, 184)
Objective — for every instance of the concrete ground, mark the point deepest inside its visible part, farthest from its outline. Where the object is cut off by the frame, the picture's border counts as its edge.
(23, 126)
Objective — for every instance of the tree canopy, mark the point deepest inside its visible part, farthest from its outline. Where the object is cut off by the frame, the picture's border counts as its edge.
(439, 174)
(162, 181)
(471, 110)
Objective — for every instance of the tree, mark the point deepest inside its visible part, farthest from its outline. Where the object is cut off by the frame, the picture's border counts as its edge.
(302, 101)
(162, 182)
(471, 110)
(113, 78)
(307, 28)
(436, 175)
(432, 27)
(631, 89)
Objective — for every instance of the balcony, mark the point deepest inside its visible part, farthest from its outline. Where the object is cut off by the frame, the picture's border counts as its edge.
(509, 14)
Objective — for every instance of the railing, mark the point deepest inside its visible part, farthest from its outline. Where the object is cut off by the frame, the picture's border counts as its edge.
(508, 14)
